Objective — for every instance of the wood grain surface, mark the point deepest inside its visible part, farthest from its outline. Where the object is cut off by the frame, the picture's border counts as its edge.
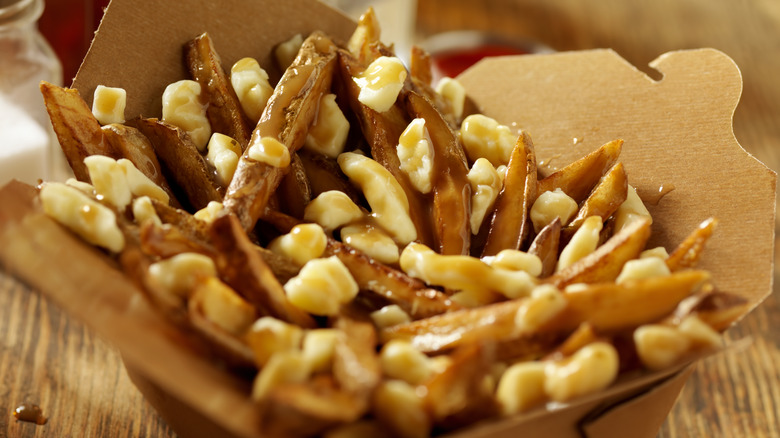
(51, 360)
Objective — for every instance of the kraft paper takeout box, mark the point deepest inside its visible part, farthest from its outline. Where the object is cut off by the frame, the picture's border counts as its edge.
(678, 139)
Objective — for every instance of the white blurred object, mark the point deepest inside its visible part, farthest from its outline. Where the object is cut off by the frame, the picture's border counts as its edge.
(396, 20)
(24, 145)
(28, 150)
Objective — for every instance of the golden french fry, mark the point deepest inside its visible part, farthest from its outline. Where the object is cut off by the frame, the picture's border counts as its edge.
(545, 246)
(420, 66)
(129, 143)
(382, 131)
(241, 267)
(606, 262)
(287, 117)
(224, 110)
(295, 190)
(366, 33)
(604, 200)
(77, 130)
(578, 178)
(356, 366)
(687, 254)
(451, 187)
(185, 165)
(509, 224)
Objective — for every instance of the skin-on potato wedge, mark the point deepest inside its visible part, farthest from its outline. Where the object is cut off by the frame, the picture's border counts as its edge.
(129, 143)
(545, 246)
(294, 192)
(77, 130)
(324, 174)
(183, 163)
(287, 117)
(509, 223)
(382, 131)
(451, 187)
(687, 254)
(606, 262)
(604, 200)
(224, 110)
(366, 33)
(578, 178)
(241, 267)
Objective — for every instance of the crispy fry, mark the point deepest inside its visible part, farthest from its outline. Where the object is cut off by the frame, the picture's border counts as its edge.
(356, 365)
(412, 295)
(382, 131)
(604, 200)
(420, 66)
(242, 268)
(224, 110)
(324, 174)
(687, 254)
(184, 164)
(295, 190)
(451, 187)
(510, 224)
(545, 246)
(129, 143)
(605, 263)
(578, 178)
(77, 129)
(366, 33)
(287, 116)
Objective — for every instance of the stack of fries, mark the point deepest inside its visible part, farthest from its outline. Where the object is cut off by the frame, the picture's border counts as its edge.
(381, 261)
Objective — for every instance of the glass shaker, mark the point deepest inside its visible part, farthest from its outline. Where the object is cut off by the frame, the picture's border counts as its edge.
(28, 148)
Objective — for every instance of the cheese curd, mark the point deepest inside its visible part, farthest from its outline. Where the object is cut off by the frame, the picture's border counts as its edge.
(331, 210)
(318, 348)
(545, 302)
(415, 153)
(463, 273)
(182, 107)
(521, 387)
(515, 260)
(632, 209)
(486, 184)
(372, 241)
(389, 205)
(401, 361)
(270, 151)
(268, 336)
(584, 241)
(328, 133)
(92, 221)
(484, 137)
(118, 181)
(108, 104)
(223, 154)
(252, 87)
(591, 369)
(210, 212)
(322, 286)
(398, 405)
(648, 267)
(286, 52)
(551, 205)
(143, 211)
(282, 368)
(179, 274)
(381, 82)
(222, 306)
(303, 243)
(661, 346)
(389, 316)
(454, 93)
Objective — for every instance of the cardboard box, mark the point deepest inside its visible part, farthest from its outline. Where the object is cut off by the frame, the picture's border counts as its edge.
(679, 143)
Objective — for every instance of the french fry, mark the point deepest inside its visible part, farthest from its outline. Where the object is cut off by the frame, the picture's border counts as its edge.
(545, 246)
(242, 268)
(224, 110)
(287, 116)
(606, 262)
(185, 165)
(509, 224)
(366, 33)
(687, 254)
(382, 131)
(324, 175)
(77, 130)
(604, 200)
(451, 187)
(356, 365)
(578, 178)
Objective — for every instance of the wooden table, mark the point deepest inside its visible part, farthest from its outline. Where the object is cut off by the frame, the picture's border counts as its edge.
(49, 359)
